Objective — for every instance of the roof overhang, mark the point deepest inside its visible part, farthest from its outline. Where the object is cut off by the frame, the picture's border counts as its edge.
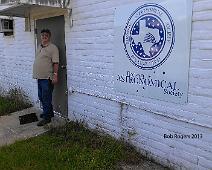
(25, 10)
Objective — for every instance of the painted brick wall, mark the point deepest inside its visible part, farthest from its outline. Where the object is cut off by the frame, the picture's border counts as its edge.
(141, 121)
(92, 97)
(16, 58)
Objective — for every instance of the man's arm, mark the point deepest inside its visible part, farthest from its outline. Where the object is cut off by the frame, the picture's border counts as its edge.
(55, 74)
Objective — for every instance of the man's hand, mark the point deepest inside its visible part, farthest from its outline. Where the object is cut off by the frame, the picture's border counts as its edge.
(55, 79)
(55, 75)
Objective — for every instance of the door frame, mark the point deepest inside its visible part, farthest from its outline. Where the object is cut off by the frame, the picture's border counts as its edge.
(35, 45)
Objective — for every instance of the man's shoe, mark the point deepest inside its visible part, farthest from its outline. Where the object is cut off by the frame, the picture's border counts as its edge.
(51, 115)
(42, 115)
(44, 122)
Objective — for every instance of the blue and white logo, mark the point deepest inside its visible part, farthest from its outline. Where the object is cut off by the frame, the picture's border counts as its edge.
(149, 36)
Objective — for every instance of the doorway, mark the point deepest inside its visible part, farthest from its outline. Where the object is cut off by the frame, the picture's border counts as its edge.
(57, 27)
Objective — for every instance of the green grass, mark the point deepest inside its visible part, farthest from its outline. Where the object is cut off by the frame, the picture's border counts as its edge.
(13, 101)
(8, 105)
(70, 147)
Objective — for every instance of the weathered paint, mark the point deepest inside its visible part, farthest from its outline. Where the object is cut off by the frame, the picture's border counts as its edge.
(141, 121)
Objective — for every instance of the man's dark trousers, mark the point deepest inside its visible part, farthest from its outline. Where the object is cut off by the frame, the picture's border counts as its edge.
(45, 89)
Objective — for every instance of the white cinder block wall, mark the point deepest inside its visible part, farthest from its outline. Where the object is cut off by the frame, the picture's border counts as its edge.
(16, 57)
(141, 121)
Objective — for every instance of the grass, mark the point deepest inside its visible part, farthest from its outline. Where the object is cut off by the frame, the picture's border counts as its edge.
(70, 147)
(15, 100)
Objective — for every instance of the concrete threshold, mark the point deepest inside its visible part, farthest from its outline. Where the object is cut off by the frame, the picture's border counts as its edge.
(11, 130)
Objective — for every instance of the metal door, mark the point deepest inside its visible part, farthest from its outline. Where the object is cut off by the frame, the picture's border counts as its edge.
(57, 27)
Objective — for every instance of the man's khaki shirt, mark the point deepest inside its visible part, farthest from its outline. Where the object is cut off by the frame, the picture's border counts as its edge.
(43, 64)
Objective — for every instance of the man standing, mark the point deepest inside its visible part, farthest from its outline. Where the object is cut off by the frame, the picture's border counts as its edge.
(45, 70)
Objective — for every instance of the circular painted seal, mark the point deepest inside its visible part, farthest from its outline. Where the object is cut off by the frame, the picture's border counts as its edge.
(149, 36)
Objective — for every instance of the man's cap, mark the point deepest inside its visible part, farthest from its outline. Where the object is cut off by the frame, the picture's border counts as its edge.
(46, 31)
